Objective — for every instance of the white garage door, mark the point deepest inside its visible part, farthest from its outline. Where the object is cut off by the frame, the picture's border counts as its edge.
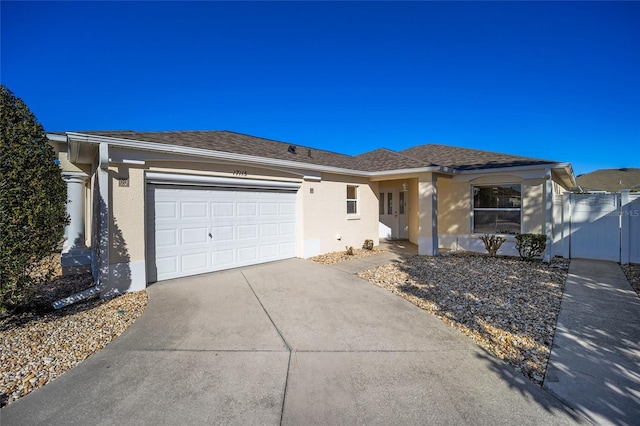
(198, 230)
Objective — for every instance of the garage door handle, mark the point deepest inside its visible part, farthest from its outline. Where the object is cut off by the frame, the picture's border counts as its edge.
(210, 235)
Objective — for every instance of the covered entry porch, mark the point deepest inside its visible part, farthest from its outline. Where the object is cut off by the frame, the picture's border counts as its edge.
(407, 210)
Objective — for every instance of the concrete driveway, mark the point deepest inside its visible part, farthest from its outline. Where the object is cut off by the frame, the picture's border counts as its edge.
(290, 342)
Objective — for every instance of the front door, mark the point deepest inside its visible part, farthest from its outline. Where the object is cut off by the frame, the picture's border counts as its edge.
(393, 217)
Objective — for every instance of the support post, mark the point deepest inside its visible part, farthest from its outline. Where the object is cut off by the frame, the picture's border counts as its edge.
(76, 257)
(548, 226)
(625, 222)
(428, 215)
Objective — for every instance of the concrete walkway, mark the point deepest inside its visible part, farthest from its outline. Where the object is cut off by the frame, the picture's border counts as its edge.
(289, 342)
(595, 360)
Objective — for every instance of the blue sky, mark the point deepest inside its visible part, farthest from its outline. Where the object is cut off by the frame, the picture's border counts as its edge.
(554, 80)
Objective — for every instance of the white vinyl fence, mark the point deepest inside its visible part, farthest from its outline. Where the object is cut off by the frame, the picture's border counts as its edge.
(597, 226)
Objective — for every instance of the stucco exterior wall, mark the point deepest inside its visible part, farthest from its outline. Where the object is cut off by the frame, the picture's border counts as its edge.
(454, 207)
(414, 214)
(322, 216)
(455, 210)
(326, 225)
(127, 214)
(533, 207)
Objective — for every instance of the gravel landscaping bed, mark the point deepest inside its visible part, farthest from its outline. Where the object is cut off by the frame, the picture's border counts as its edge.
(39, 344)
(632, 271)
(506, 305)
(341, 256)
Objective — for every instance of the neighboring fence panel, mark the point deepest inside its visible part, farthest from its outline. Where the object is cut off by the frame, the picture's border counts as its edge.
(631, 228)
(595, 226)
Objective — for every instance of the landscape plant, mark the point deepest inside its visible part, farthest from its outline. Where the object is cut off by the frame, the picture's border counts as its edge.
(492, 243)
(32, 202)
(530, 245)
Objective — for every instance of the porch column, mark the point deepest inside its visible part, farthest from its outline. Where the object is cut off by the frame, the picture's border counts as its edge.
(74, 233)
(76, 257)
(428, 215)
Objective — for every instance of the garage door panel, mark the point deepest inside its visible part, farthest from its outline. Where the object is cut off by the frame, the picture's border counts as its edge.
(190, 236)
(287, 228)
(247, 209)
(246, 232)
(166, 238)
(287, 249)
(223, 258)
(222, 209)
(222, 233)
(205, 230)
(268, 230)
(194, 210)
(287, 208)
(194, 262)
(167, 265)
(166, 210)
(268, 251)
(248, 254)
(268, 209)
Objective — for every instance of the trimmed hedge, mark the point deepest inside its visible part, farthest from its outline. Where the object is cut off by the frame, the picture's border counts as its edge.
(530, 245)
(33, 199)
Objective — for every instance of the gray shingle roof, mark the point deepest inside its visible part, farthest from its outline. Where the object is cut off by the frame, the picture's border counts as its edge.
(384, 159)
(467, 159)
(237, 143)
(377, 160)
(611, 180)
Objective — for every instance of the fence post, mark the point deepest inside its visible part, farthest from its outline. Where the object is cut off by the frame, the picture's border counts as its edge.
(566, 225)
(625, 232)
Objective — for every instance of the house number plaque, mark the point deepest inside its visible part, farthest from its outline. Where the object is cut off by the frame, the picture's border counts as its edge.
(240, 173)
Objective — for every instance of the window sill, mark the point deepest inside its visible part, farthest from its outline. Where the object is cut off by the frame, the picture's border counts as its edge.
(508, 237)
(353, 217)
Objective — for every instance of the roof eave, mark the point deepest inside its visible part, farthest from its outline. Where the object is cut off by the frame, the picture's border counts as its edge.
(205, 153)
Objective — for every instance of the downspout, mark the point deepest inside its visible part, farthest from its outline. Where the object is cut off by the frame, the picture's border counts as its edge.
(104, 237)
(548, 193)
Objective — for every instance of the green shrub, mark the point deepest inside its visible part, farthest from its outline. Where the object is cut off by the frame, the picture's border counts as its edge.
(32, 202)
(492, 243)
(530, 245)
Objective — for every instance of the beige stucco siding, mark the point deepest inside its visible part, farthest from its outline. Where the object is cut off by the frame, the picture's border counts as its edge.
(322, 213)
(414, 214)
(454, 207)
(127, 215)
(326, 225)
(533, 207)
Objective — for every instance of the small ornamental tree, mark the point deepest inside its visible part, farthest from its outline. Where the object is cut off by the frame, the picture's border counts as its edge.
(33, 196)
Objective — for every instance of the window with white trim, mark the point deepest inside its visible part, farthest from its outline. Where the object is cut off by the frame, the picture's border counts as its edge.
(352, 199)
(497, 209)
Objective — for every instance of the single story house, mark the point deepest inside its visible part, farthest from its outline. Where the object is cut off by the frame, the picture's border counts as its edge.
(152, 206)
